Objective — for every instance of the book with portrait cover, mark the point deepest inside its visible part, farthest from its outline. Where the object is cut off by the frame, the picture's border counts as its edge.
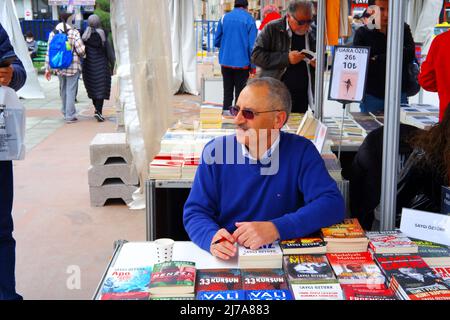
(218, 280)
(303, 246)
(310, 268)
(263, 279)
(367, 292)
(443, 272)
(355, 268)
(126, 284)
(173, 278)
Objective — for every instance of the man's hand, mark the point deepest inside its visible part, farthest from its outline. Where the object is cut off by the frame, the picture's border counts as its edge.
(48, 75)
(6, 75)
(222, 245)
(313, 63)
(253, 235)
(296, 57)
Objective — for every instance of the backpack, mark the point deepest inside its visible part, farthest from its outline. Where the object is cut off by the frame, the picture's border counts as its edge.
(60, 53)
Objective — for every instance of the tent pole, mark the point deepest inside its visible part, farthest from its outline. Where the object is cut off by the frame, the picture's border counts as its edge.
(392, 113)
(320, 54)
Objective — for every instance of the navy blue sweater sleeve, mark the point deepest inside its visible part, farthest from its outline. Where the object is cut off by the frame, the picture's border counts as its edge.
(6, 49)
(200, 210)
(324, 204)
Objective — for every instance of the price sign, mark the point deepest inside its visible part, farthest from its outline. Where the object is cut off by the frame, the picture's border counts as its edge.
(349, 74)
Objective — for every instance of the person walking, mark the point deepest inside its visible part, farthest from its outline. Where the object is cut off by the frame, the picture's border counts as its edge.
(68, 77)
(98, 65)
(13, 76)
(235, 36)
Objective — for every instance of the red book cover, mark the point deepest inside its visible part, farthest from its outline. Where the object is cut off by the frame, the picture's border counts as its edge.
(218, 280)
(263, 279)
(367, 292)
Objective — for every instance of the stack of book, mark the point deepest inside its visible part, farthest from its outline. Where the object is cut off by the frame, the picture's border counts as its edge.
(443, 272)
(269, 256)
(409, 111)
(311, 278)
(332, 165)
(434, 254)
(210, 116)
(190, 166)
(163, 167)
(366, 120)
(411, 278)
(303, 246)
(347, 236)
(173, 279)
(390, 242)
(356, 268)
(126, 284)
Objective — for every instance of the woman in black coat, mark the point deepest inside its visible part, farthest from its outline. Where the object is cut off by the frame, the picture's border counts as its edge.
(98, 65)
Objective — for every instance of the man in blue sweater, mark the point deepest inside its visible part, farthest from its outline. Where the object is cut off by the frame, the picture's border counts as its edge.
(261, 184)
(13, 76)
(235, 36)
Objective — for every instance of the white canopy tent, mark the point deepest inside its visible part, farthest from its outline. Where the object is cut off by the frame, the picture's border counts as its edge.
(10, 22)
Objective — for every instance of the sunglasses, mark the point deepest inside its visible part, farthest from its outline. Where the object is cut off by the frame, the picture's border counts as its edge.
(246, 113)
(302, 22)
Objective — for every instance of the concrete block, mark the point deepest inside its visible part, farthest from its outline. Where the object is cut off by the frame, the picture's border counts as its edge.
(99, 195)
(97, 175)
(106, 146)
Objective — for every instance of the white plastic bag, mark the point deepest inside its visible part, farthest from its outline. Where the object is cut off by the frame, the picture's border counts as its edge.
(12, 126)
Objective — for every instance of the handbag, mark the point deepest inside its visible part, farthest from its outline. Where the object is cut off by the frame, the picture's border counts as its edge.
(12, 126)
(412, 84)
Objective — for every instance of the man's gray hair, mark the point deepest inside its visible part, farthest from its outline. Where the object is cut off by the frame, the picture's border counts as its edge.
(279, 96)
(304, 5)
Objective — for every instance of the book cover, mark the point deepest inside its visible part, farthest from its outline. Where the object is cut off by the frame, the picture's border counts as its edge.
(365, 292)
(428, 249)
(268, 294)
(263, 279)
(126, 284)
(173, 277)
(303, 245)
(308, 268)
(390, 241)
(218, 280)
(324, 291)
(348, 229)
(445, 200)
(266, 251)
(355, 268)
(221, 295)
(443, 272)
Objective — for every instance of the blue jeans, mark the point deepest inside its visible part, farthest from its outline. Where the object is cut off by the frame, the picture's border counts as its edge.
(7, 242)
(374, 104)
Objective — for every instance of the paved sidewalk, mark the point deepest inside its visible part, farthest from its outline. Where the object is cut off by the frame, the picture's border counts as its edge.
(63, 244)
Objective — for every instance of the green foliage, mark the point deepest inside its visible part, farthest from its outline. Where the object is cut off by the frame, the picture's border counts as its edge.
(102, 9)
(103, 5)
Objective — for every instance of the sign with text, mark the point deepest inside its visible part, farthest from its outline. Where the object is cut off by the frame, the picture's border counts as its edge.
(349, 74)
(426, 226)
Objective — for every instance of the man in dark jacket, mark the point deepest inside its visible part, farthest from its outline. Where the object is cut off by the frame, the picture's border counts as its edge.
(277, 53)
(377, 41)
(13, 76)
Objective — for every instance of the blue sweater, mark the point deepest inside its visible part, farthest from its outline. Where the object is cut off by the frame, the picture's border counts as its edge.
(235, 36)
(6, 49)
(299, 199)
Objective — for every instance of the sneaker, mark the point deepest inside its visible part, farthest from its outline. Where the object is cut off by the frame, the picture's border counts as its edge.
(72, 120)
(99, 117)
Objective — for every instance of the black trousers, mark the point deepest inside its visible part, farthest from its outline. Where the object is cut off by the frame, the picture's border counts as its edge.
(233, 80)
(98, 104)
(7, 242)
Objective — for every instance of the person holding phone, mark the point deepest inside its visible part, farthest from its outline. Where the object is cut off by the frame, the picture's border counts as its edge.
(279, 52)
(13, 75)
